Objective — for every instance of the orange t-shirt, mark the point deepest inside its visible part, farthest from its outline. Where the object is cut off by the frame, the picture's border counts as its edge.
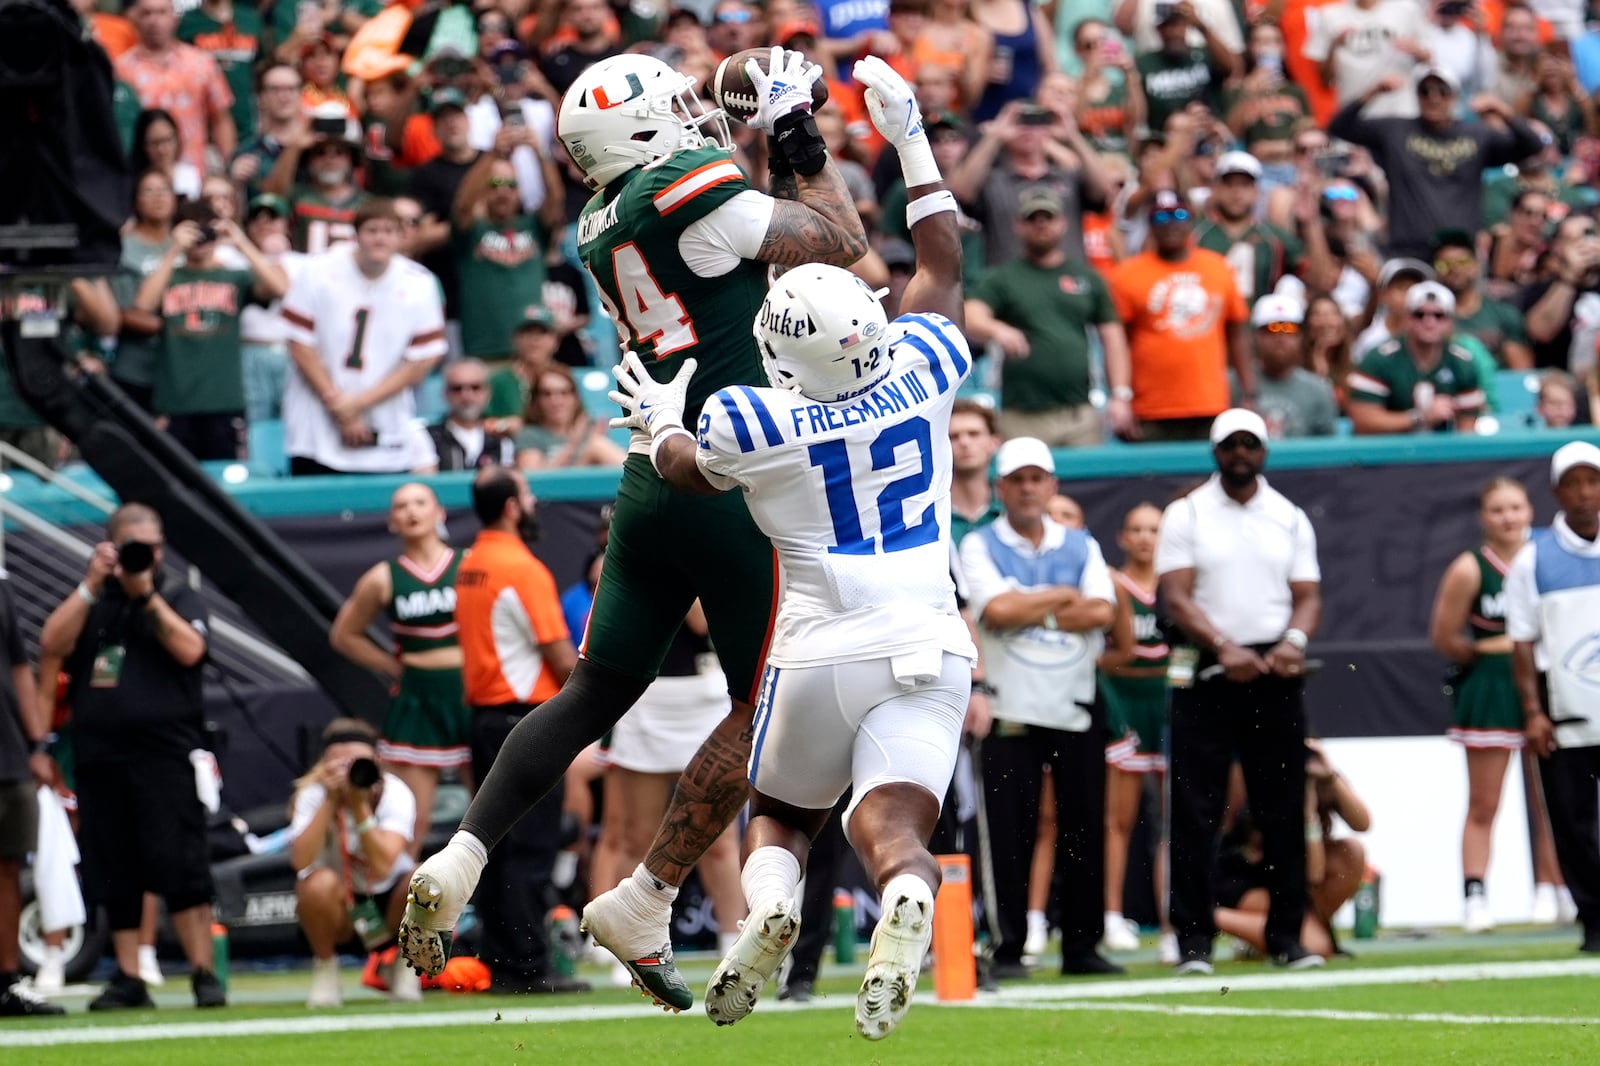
(507, 605)
(115, 33)
(1177, 316)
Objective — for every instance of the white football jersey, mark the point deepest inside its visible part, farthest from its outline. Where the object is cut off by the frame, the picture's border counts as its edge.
(362, 328)
(855, 497)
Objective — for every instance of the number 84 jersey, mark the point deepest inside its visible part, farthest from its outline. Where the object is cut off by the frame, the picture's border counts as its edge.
(671, 247)
(855, 496)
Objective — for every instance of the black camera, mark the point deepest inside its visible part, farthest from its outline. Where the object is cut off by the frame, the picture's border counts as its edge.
(329, 127)
(363, 773)
(135, 556)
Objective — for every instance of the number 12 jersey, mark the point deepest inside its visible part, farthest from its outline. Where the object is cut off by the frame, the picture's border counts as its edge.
(855, 497)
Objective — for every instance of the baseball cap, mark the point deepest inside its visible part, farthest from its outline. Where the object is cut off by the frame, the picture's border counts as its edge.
(268, 202)
(944, 120)
(898, 253)
(536, 318)
(1277, 307)
(1039, 198)
(1431, 292)
(1167, 200)
(1439, 73)
(1020, 452)
(1578, 453)
(1238, 420)
(1394, 268)
(443, 98)
(1239, 163)
(798, 28)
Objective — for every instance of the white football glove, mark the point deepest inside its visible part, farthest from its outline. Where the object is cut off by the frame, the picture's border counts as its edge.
(786, 90)
(650, 406)
(891, 103)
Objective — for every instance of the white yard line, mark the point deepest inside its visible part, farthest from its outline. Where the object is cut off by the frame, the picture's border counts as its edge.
(1096, 995)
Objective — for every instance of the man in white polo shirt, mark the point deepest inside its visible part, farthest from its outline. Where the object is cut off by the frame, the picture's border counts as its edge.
(1553, 618)
(1239, 574)
(1041, 594)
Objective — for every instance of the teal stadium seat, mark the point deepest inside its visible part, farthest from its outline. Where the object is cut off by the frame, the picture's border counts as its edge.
(266, 449)
(1517, 393)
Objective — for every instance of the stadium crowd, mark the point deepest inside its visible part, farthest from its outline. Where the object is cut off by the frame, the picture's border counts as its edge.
(1349, 217)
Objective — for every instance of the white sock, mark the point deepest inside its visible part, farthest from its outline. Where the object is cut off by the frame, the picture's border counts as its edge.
(1113, 918)
(770, 875)
(474, 851)
(329, 963)
(653, 885)
(909, 885)
(53, 954)
(147, 955)
(725, 942)
(1036, 918)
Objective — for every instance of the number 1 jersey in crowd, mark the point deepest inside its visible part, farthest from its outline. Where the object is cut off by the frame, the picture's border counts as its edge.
(855, 496)
(671, 247)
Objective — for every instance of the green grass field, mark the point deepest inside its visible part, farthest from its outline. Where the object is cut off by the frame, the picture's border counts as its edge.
(1511, 999)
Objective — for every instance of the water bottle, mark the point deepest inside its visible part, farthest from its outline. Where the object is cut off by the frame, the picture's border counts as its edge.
(1367, 901)
(565, 939)
(844, 927)
(219, 953)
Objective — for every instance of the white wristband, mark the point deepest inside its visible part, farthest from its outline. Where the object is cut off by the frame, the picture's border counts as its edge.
(1296, 638)
(917, 163)
(86, 596)
(666, 434)
(928, 206)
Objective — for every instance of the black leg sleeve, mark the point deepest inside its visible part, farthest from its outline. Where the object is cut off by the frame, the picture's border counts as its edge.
(544, 743)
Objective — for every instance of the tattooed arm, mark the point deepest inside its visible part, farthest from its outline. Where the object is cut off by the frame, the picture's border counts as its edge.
(814, 220)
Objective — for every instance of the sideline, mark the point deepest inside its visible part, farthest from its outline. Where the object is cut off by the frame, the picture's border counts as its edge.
(1096, 995)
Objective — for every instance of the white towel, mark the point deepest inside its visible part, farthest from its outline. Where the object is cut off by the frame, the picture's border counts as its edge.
(55, 861)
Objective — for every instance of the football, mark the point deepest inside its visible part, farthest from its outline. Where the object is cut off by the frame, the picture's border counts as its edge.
(731, 88)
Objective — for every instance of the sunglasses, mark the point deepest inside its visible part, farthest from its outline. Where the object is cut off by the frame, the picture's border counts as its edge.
(1290, 328)
(1240, 442)
(734, 16)
(1424, 315)
(1341, 193)
(1163, 218)
(1444, 263)
(466, 386)
(410, 220)
(1434, 88)
(502, 183)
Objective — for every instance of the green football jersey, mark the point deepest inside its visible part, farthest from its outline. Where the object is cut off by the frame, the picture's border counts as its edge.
(200, 370)
(1388, 375)
(317, 223)
(628, 239)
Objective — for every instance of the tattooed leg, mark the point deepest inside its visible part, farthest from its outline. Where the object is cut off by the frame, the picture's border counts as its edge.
(708, 797)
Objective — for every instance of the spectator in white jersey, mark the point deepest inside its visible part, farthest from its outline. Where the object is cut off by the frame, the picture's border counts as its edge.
(365, 328)
(870, 663)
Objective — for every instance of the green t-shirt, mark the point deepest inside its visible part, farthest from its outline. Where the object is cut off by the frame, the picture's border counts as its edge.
(892, 222)
(1388, 375)
(1500, 190)
(125, 108)
(1171, 83)
(539, 439)
(628, 239)
(1054, 307)
(235, 46)
(1262, 255)
(960, 525)
(1494, 323)
(508, 395)
(136, 353)
(1279, 111)
(201, 370)
(501, 269)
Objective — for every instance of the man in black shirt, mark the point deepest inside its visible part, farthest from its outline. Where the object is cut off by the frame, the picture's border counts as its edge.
(23, 767)
(434, 186)
(591, 21)
(133, 648)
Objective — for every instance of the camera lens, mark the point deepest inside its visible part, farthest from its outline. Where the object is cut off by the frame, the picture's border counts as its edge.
(135, 557)
(363, 773)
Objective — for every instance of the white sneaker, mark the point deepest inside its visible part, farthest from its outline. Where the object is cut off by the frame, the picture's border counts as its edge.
(150, 967)
(1475, 916)
(1546, 911)
(1167, 953)
(636, 927)
(1120, 934)
(1038, 939)
(405, 984)
(440, 889)
(764, 942)
(325, 990)
(899, 944)
(1194, 968)
(51, 978)
(1566, 906)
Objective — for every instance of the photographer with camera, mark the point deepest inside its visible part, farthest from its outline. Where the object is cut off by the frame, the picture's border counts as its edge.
(349, 827)
(133, 647)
